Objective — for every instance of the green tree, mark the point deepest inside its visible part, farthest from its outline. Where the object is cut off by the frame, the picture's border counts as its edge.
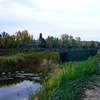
(78, 39)
(65, 42)
(12, 41)
(60, 43)
(93, 44)
(49, 42)
(74, 43)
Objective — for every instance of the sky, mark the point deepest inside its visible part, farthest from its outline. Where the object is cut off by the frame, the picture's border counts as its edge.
(79, 18)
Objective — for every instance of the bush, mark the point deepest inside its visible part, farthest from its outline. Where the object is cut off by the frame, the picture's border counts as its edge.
(45, 55)
(93, 52)
(50, 55)
(76, 55)
(8, 62)
(55, 56)
(20, 54)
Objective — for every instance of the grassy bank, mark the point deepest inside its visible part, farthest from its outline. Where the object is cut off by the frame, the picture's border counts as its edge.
(70, 81)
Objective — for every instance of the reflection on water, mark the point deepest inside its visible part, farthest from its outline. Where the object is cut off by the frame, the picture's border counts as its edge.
(18, 91)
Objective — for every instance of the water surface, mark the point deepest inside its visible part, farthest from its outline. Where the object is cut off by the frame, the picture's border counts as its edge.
(18, 90)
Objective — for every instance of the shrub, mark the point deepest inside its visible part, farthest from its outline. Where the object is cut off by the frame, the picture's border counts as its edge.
(93, 52)
(45, 55)
(55, 56)
(75, 55)
(20, 54)
(50, 55)
(8, 62)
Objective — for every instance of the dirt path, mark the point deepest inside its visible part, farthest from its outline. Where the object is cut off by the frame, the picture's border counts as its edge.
(94, 94)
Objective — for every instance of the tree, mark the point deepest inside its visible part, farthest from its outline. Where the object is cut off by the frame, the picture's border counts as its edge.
(6, 42)
(64, 38)
(17, 41)
(93, 45)
(60, 43)
(12, 41)
(88, 44)
(55, 43)
(83, 44)
(4, 34)
(31, 41)
(5, 39)
(74, 43)
(49, 42)
(24, 38)
(78, 39)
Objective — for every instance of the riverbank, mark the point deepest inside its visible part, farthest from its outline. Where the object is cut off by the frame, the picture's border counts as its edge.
(69, 81)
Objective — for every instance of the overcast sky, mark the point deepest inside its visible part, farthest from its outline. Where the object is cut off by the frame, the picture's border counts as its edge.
(52, 17)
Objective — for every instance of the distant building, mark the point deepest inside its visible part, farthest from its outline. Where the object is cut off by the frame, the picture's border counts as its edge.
(42, 42)
(40, 36)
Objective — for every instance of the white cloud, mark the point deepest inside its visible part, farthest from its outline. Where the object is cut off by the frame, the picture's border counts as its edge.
(21, 12)
(1, 12)
(70, 4)
(91, 20)
(0, 0)
(21, 9)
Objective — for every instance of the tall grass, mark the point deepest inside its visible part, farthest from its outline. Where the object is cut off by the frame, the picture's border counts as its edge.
(68, 82)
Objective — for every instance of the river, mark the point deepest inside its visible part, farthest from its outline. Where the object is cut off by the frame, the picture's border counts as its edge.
(18, 88)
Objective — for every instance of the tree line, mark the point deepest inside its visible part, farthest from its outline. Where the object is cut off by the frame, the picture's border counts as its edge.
(25, 40)
(19, 40)
(66, 41)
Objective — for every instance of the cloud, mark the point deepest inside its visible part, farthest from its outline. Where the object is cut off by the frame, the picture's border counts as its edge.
(70, 4)
(92, 20)
(20, 11)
